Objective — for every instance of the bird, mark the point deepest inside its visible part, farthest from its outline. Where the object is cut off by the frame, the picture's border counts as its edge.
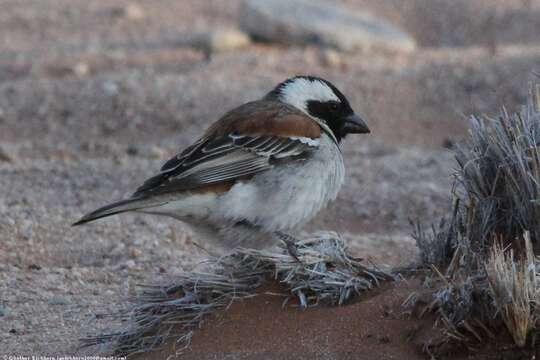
(259, 173)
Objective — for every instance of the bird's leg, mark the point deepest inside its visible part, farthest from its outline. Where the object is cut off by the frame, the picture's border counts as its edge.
(290, 242)
(200, 247)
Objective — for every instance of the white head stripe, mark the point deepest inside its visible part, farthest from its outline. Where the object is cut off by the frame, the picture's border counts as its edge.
(299, 91)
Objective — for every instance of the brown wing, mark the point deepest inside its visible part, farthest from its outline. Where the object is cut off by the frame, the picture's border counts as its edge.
(266, 118)
(246, 141)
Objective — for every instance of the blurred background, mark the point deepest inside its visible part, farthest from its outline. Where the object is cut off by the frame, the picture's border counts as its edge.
(95, 95)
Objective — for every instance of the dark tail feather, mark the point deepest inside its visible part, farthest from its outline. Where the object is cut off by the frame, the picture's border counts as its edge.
(113, 209)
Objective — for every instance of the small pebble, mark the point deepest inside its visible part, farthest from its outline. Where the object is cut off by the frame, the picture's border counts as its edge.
(4, 155)
(217, 40)
(57, 300)
(81, 69)
(155, 152)
(448, 143)
(384, 339)
(110, 88)
(331, 58)
(16, 328)
(227, 40)
(34, 267)
(134, 12)
(133, 150)
(135, 252)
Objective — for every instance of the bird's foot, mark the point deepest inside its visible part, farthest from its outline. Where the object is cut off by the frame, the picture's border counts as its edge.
(200, 247)
(290, 243)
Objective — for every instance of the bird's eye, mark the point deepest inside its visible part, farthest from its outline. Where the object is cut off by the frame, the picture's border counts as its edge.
(334, 106)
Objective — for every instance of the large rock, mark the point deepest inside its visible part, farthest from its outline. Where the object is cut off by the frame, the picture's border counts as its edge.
(320, 22)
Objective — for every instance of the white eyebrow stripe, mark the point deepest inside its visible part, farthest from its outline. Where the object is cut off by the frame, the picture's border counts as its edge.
(300, 90)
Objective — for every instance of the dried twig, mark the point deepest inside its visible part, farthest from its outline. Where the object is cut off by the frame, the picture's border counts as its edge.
(326, 274)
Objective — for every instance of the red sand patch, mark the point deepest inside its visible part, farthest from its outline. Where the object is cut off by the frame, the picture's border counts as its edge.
(375, 326)
(372, 327)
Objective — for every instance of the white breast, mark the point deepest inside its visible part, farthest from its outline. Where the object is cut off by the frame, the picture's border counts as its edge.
(286, 196)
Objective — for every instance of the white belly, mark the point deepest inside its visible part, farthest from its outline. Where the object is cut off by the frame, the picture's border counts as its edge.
(285, 197)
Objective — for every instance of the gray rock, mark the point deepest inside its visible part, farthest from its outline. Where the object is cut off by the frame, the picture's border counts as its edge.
(320, 22)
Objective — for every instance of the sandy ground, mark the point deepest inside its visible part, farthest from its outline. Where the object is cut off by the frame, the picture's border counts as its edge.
(373, 324)
(93, 101)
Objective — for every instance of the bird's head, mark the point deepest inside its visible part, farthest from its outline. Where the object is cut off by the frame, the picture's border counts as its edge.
(323, 102)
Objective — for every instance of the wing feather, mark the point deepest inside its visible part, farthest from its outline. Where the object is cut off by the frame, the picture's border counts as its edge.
(247, 140)
(214, 160)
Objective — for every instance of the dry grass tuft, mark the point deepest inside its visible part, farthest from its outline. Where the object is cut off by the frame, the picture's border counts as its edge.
(498, 179)
(326, 274)
(487, 250)
(514, 288)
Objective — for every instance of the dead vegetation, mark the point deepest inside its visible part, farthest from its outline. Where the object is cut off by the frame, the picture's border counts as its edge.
(483, 262)
(323, 274)
(513, 286)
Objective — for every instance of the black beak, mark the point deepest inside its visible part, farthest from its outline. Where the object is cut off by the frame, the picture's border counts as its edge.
(354, 124)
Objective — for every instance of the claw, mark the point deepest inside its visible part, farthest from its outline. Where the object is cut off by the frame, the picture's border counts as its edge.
(290, 243)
